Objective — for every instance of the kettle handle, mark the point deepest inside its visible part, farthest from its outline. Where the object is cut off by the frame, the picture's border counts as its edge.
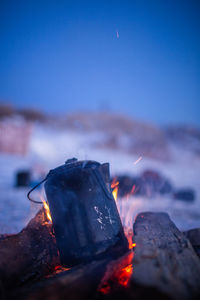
(28, 195)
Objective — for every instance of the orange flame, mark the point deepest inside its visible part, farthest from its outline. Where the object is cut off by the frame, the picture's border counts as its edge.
(115, 187)
(115, 192)
(126, 215)
(46, 208)
(133, 245)
(114, 184)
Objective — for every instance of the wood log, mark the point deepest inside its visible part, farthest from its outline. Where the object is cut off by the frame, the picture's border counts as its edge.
(193, 236)
(78, 283)
(102, 279)
(29, 255)
(164, 258)
(164, 264)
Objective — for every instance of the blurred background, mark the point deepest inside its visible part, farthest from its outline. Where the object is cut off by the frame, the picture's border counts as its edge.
(113, 81)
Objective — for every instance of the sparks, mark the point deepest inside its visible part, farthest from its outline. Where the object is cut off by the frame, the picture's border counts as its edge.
(137, 161)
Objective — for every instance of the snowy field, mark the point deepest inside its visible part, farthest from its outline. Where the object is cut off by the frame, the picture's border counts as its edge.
(50, 147)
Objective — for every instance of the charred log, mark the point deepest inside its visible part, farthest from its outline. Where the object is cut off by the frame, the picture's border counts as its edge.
(29, 255)
(80, 282)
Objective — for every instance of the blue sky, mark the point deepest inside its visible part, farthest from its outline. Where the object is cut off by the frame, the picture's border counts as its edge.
(63, 56)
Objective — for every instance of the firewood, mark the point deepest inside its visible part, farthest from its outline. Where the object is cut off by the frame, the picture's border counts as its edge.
(164, 257)
(78, 283)
(28, 255)
(164, 265)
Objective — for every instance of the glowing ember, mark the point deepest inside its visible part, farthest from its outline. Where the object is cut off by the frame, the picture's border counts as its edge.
(105, 289)
(59, 269)
(118, 274)
(125, 275)
(132, 246)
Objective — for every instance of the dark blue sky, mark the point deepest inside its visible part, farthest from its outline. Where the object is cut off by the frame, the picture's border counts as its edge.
(65, 56)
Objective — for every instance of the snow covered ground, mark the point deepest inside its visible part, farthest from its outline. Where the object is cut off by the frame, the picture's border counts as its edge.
(50, 147)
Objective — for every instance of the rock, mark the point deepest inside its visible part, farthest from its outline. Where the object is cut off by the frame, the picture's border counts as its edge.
(23, 178)
(148, 184)
(154, 182)
(187, 195)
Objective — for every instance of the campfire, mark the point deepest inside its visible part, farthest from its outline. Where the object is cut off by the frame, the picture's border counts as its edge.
(83, 243)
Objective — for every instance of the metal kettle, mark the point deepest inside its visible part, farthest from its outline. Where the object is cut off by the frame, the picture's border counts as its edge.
(85, 218)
